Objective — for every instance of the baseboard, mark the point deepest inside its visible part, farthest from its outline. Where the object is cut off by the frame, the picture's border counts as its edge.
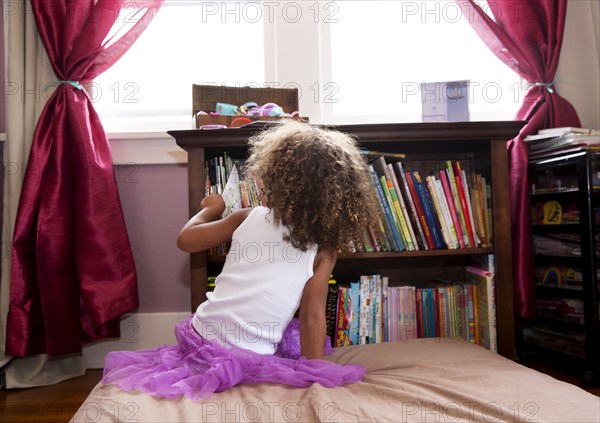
(138, 331)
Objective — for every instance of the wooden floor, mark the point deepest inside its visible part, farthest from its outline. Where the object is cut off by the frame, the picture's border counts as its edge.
(47, 404)
(58, 403)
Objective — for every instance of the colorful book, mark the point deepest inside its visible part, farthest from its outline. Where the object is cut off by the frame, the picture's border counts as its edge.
(467, 191)
(446, 214)
(413, 215)
(486, 305)
(386, 218)
(427, 206)
(355, 316)
(458, 204)
(415, 196)
(463, 203)
(453, 212)
(408, 227)
(445, 232)
(381, 169)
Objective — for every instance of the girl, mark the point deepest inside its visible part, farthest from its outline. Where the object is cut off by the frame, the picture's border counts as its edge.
(319, 198)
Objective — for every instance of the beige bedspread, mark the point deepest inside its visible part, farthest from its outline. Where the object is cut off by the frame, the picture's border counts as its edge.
(422, 380)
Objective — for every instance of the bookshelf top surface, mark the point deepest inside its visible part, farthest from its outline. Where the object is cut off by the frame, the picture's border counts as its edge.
(380, 132)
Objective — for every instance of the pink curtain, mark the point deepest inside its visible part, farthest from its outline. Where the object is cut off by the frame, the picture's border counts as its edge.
(527, 36)
(73, 273)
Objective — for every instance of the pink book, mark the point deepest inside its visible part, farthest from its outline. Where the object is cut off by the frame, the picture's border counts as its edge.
(453, 213)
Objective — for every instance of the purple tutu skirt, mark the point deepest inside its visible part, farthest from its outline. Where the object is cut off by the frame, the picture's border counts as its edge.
(196, 367)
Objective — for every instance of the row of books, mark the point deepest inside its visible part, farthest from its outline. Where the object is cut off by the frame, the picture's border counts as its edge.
(224, 175)
(446, 209)
(553, 142)
(370, 310)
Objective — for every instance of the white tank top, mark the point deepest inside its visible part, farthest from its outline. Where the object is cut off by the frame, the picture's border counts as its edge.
(259, 289)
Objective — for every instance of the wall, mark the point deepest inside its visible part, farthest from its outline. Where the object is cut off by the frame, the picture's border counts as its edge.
(154, 201)
(578, 74)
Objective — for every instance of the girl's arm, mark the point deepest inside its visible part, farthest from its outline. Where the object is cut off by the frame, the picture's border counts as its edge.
(313, 325)
(203, 232)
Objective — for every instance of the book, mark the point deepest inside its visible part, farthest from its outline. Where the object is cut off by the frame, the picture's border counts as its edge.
(486, 305)
(386, 219)
(365, 305)
(413, 215)
(353, 330)
(464, 206)
(341, 325)
(398, 208)
(454, 244)
(417, 202)
(445, 231)
(427, 205)
(413, 244)
(453, 212)
(568, 129)
(457, 203)
(392, 198)
(231, 193)
(467, 191)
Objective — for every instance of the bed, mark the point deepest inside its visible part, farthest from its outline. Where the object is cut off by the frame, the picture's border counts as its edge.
(421, 380)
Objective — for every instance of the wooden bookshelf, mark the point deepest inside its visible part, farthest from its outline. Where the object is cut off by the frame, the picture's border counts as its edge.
(479, 146)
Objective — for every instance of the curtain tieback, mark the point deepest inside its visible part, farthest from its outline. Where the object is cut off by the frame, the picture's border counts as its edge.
(548, 85)
(74, 84)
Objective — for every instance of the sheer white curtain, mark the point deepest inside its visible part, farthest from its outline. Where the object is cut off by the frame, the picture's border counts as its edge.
(28, 71)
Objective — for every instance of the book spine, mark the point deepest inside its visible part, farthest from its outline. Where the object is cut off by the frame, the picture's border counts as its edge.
(419, 312)
(478, 216)
(403, 212)
(480, 180)
(414, 217)
(340, 319)
(413, 191)
(431, 309)
(396, 228)
(437, 209)
(457, 204)
(467, 191)
(427, 210)
(408, 243)
(364, 307)
(378, 309)
(354, 316)
(442, 298)
(446, 213)
(385, 213)
(453, 213)
(463, 203)
(384, 312)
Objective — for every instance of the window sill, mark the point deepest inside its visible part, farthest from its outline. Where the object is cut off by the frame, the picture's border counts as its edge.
(145, 148)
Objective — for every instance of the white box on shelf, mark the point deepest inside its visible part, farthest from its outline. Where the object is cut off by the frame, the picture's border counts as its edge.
(445, 101)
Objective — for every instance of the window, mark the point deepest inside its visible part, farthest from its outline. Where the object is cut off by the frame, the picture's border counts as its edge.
(187, 42)
(369, 57)
(381, 51)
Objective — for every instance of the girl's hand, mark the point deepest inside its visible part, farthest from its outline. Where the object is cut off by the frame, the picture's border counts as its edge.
(215, 203)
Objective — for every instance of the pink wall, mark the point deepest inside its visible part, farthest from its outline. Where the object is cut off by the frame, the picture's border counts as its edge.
(154, 200)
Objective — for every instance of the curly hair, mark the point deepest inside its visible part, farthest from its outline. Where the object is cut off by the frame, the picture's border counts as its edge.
(316, 183)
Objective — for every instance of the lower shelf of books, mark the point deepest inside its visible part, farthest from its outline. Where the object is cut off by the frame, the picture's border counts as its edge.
(375, 309)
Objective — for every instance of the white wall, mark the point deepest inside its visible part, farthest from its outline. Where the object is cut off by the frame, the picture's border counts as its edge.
(578, 73)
